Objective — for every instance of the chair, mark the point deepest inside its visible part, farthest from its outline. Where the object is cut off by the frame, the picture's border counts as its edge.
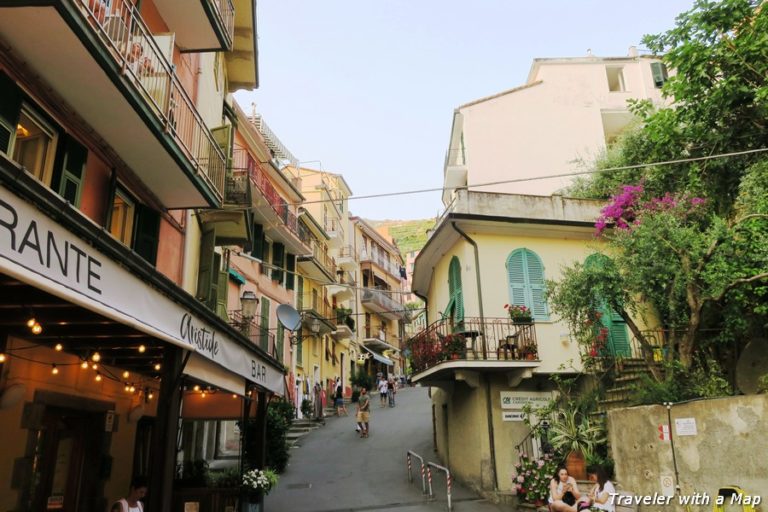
(508, 346)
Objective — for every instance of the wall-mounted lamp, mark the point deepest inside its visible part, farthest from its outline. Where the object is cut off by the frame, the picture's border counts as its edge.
(248, 303)
(314, 325)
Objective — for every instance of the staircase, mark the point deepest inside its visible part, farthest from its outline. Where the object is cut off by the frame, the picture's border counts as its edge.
(300, 428)
(626, 374)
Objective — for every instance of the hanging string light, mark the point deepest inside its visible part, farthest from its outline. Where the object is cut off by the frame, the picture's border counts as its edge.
(142, 349)
(98, 377)
(54, 370)
(126, 374)
(2, 358)
(59, 347)
(96, 357)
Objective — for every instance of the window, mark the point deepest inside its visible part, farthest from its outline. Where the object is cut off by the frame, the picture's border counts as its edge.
(264, 325)
(615, 78)
(525, 274)
(659, 73)
(134, 224)
(455, 309)
(121, 222)
(68, 177)
(33, 145)
(290, 276)
(278, 260)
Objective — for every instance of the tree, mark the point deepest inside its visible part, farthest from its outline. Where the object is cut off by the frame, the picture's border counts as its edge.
(674, 258)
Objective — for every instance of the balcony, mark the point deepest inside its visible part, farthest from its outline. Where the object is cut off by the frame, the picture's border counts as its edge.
(484, 345)
(376, 258)
(346, 258)
(345, 325)
(380, 340)
(315, 307)
(335, 233)
(251, 329)
(200, 24)
(267, 202)
(345, 289)
(107, 66)
(382, 303)
(319, 265)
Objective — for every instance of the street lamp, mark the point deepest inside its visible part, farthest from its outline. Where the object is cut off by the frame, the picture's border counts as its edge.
(248, 303)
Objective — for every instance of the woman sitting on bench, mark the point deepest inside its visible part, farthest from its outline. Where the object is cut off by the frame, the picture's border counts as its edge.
(563, 492)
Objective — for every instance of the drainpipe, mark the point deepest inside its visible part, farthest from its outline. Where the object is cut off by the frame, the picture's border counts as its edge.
(489, 410)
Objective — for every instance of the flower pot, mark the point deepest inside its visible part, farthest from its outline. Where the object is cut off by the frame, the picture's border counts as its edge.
(455, 356)
(576, 464)
(522, 320)
(530, 357)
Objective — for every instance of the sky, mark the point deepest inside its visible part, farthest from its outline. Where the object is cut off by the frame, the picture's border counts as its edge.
(367, 88)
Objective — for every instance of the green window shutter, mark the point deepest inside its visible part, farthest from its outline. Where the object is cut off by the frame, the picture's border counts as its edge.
(659, 73)
(264, 324)
(536, 285)
(221, 295)
(525, 276)
(258, 241)
(290, 277)
(223, 137)
(454, 287)
(300, 293)
(618, 338)
(299, 349)
(516, 278)
(280, 340)
(206, 269)
(10, 109)
(146, 233)
(278, 260)
(70, 180)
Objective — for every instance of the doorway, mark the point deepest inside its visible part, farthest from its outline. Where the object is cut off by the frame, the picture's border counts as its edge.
(71, 463)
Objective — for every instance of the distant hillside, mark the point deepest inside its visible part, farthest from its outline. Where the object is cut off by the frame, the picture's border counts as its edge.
(410, 235)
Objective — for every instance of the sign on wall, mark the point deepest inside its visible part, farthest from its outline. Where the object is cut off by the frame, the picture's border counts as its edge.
(512, 416)
(37, 250)
(517, 399)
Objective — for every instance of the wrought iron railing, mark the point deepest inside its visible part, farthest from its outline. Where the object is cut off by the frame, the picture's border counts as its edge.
(382, 299)
(121, 29)
(382, 262)
(242, 161)
(258, 335)
(474, 339)
(226, 10)
(236, 189)
(347, 252)
(323, 259)
(313, 302)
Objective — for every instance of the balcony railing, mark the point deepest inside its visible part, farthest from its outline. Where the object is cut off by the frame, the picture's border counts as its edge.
(490, 339)
(313, 302)
(333, 227)
(323, 259)
(236, 189)
(380, 334)
(131, 44)
(242, 162)
(258, 335)
(226, 10)
(380, 301)
(347, 252)
(382, 262)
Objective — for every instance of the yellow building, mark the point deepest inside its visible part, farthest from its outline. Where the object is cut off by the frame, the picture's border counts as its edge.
(489, 250)
(381, 316)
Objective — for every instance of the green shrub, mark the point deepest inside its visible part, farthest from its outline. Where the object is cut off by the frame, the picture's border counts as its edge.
(306, 407)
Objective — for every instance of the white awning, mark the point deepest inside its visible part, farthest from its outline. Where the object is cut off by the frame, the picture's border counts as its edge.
(380, 358)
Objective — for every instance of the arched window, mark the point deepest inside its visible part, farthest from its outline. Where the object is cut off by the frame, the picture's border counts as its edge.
(525, 275)
(618, 339)
(455, 309)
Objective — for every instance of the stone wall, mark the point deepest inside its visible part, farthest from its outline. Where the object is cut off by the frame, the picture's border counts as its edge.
(729, 445)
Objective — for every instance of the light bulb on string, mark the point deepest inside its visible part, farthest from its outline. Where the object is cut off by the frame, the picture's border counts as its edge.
(142, 349)
(96, 357)
(59, 347)
(31, 322)
(202, 394)
(127, 388)
(234, 395)
(95, 366)
(133, 388)
(157, 367)
(37, 329)
(126, 374)
(2, 358)
(98, 377)
(196, 388)
(84, 365)
(54, 370)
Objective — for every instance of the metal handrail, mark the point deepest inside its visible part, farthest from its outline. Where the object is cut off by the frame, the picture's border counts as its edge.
(408, 456)
(447, 481)
(133, 47)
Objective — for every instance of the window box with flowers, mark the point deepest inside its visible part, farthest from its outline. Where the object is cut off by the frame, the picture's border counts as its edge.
(533, 476)
(519, 314)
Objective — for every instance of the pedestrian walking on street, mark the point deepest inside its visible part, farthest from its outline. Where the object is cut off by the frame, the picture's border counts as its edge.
(383, 392)
(391, 389)
(339, 400)
(363, 412)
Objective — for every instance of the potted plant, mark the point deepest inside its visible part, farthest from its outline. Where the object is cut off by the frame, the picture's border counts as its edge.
(527, 353)
(454, 346)
(571, 432)
(519, 314)
(256, 484)
(533, 476)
